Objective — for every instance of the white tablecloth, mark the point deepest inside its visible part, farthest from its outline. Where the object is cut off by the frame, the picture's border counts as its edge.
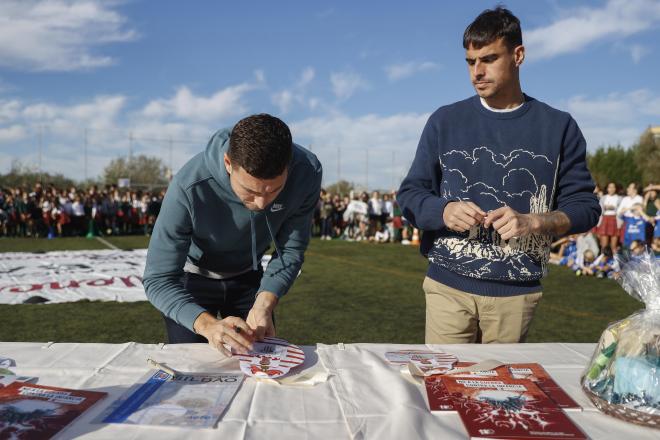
(364, 398)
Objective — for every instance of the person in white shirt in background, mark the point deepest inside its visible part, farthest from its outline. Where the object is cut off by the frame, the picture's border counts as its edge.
(375, 212)
(144, 205)
(608, 228)
(354, 217)
(632, 198)
(585, 242)
(46, 206)
(77, 207)
(625, 208)
(78, 215)
(56, 217)
(387, 216)
(136, 208)
(136, 202)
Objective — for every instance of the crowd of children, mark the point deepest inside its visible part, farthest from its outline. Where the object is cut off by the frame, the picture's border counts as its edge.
(361, 217)
(48, 211)
(629, 224)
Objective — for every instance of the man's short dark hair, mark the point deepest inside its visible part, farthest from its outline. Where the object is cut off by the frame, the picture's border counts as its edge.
(491, 25)
(261, 145)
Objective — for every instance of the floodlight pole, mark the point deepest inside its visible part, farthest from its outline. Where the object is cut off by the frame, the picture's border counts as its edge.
(41, 130)
(85, 154)
(367, 170)
(171, 169)
(130, 154)
(393, 164)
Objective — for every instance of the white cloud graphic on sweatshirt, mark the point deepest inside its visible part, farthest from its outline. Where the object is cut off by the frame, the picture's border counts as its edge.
(503, 178)
(492, 180)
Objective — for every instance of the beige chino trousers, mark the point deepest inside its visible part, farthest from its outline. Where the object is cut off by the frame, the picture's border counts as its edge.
(457, 317)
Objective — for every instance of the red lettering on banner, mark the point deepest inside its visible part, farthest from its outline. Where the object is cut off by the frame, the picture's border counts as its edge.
(18, 289)
(72, 285)
(102, 281)
(127, 280)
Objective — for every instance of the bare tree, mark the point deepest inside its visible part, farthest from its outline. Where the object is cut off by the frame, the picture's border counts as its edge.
(141, 170)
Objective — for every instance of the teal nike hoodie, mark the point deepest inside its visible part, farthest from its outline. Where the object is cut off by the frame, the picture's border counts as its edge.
(204, 224)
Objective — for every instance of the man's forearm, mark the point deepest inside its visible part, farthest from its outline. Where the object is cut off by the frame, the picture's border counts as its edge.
(554, 223)
(202, 322)
(267, 300)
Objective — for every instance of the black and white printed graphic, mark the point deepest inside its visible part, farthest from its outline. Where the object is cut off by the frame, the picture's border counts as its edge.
(521, 180)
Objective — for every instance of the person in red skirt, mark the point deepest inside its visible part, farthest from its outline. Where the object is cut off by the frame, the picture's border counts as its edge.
(607, 229)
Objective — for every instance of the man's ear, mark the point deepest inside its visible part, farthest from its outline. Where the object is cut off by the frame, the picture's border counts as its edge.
(227, 163)
(519, 55)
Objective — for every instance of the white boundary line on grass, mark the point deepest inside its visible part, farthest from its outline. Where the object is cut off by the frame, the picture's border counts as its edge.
(107, 243)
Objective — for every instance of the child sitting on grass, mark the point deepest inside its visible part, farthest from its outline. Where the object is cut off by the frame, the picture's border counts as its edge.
(655, 246)
(587, 266)
(605, 264)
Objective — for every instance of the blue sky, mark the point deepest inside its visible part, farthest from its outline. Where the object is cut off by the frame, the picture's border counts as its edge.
(355, 80)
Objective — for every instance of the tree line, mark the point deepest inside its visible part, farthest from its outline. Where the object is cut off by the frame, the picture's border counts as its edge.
(639, 163)
(142, 171)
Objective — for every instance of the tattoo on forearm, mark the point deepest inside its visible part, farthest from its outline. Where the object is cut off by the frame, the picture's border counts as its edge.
(554, 223)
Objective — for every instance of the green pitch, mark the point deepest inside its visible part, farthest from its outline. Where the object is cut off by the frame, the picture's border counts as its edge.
(347, 292)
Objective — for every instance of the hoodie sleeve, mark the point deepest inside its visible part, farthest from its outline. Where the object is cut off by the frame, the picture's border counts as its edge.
(575, 188)
(168, 250)
(292, 239)
(419, 194)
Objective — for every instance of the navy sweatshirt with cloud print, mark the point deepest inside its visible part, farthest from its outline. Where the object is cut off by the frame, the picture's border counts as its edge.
(531, 159)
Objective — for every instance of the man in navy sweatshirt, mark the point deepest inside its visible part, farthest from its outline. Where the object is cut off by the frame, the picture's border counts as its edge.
(251, 187)
(494, 179)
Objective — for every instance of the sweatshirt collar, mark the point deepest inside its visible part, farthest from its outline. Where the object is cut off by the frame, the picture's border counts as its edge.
(499, 110)
(512, 114)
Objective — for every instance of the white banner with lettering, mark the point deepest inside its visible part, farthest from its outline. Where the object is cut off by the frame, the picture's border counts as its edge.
(67, 276)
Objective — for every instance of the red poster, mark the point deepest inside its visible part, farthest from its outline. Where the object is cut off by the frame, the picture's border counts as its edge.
(36, 412)
(537, 374)
(440, 401)
(503, 408)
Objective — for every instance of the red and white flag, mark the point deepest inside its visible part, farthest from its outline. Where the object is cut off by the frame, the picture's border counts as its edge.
(271, 358)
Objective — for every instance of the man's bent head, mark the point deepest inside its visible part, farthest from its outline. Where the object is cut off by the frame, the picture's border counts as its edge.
(260, 148)
(261, 145)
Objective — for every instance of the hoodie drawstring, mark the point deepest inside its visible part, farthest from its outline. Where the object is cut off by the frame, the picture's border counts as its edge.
(253, 236)
(272, 236)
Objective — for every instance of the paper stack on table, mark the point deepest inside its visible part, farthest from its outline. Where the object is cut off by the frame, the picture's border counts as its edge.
(505, 408)
(423, 362)
(36, 411)
(440, 400)
(195, 400)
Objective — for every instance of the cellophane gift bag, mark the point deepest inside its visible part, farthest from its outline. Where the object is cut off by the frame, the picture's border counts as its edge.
(623, 377)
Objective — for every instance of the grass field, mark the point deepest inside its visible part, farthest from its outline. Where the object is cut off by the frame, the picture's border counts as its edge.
(348, 292)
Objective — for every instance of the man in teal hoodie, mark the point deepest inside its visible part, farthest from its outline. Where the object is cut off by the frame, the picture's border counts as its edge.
(252, 186)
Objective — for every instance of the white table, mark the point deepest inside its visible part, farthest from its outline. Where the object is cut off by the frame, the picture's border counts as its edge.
(364, 398)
